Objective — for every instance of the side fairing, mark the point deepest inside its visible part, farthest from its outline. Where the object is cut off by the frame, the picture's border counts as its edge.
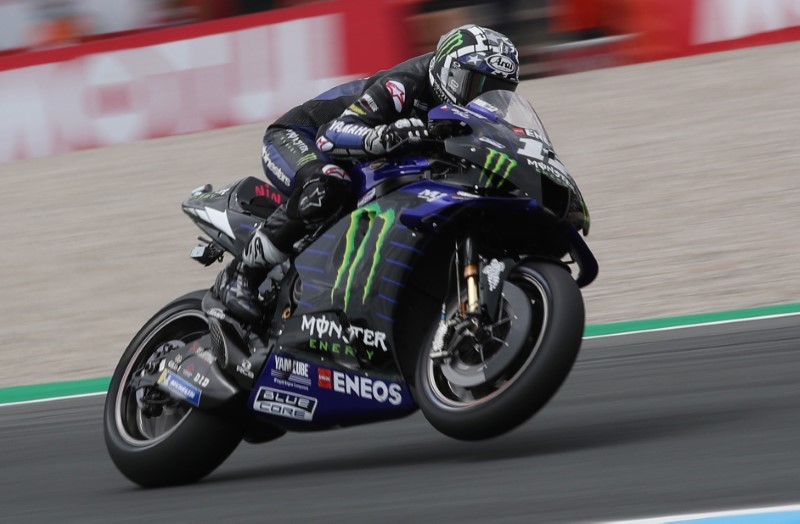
(297, 393)
(369, 176)
(335, 362)
(351, 279)
(354, 276)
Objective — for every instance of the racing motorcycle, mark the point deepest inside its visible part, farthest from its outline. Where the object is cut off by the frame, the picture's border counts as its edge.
(453, 288)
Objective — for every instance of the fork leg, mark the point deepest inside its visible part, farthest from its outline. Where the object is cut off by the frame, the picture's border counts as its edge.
(471, 275)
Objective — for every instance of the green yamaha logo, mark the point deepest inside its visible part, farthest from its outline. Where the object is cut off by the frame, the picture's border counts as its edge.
(497, 164)
(379, 224)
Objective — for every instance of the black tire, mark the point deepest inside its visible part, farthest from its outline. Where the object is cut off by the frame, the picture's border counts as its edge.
(183, 444)
(543, 357)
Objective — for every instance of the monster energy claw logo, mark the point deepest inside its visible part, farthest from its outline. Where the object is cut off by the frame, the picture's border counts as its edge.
(305, 159)
(356, 249)
(497, 163)
(450, 44)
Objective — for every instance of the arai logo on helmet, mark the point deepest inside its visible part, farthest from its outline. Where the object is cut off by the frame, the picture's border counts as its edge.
(502, 64)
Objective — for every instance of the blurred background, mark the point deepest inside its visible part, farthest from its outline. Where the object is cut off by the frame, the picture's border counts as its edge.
(553, 35)
(116, 71)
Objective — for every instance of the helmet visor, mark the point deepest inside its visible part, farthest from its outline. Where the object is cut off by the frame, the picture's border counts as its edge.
(467, 84)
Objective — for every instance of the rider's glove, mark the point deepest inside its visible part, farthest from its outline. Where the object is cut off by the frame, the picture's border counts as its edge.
(383, 138)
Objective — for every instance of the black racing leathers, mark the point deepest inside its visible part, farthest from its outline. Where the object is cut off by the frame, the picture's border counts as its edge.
(401, 92)
(299, 147)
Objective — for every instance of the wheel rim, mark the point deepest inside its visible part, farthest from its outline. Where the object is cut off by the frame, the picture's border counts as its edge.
(136, 428)
(453, 397)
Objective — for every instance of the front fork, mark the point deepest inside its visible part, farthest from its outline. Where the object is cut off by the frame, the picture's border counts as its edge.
(472, 276)
(484, 281)
(475, 319)
(468, 318)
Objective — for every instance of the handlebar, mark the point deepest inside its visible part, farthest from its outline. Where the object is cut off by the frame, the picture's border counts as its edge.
(417, 142)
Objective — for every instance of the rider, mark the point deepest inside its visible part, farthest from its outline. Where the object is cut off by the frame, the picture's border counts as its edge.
(359, 119)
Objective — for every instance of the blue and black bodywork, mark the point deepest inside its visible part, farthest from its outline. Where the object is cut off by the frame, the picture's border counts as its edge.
(357, 304)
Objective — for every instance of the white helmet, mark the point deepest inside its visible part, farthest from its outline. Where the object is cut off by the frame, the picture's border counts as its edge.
(471, 60)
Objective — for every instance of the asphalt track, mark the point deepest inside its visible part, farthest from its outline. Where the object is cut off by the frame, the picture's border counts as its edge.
(668, 422)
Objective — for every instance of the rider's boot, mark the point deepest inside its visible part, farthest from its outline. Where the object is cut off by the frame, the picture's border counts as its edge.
(237, 285)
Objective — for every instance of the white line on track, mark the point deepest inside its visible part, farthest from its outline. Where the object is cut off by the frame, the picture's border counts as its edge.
(699, 324)
(53, 399)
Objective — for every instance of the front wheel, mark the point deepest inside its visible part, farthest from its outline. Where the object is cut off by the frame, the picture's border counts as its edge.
(479, 389)
(172, 443)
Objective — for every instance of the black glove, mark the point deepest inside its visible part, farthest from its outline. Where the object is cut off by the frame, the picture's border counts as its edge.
(383, 138)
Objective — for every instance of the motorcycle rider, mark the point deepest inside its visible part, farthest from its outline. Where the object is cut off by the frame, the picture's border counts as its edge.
(360, 119)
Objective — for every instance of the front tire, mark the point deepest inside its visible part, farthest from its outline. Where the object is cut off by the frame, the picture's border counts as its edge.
(181, 444)
(480, 393)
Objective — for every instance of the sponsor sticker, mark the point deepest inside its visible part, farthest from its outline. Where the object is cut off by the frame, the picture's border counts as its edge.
(398, 94)
(206, 356)
(429, 195)
(493, 272)
(501, 64)
(245, 369)
(369, 102)
(499, 164)
(216, 312)
(267, 191)
(529, 132)
(449, 44)
(290, 373)
(285, 404)
(294, 143)
(380, 223)
(359, 386)
(180, 387)
(305, 159)
(322, 327)
(324, 379)
(335, 171)
(486, 105)
(324, 144)
(347, 129)
(273, 167)
(552, 171)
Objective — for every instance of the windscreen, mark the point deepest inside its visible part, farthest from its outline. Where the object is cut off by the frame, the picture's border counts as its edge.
(511, 107)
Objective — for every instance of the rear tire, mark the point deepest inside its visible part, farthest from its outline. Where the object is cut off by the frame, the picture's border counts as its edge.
(546, 337)
(182, 444)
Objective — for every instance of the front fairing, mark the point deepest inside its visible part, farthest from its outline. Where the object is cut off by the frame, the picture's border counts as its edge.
(507, 158)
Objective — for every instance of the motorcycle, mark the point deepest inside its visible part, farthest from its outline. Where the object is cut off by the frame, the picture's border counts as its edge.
(449, 289)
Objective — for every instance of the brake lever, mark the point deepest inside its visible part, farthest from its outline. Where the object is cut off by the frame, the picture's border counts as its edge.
(397, 146)
(416, 142)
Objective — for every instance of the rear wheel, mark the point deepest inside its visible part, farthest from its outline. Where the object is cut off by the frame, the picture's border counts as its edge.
(484, 387)
(167, 442)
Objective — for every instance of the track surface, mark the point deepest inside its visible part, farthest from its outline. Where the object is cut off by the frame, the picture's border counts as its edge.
(697, 419)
